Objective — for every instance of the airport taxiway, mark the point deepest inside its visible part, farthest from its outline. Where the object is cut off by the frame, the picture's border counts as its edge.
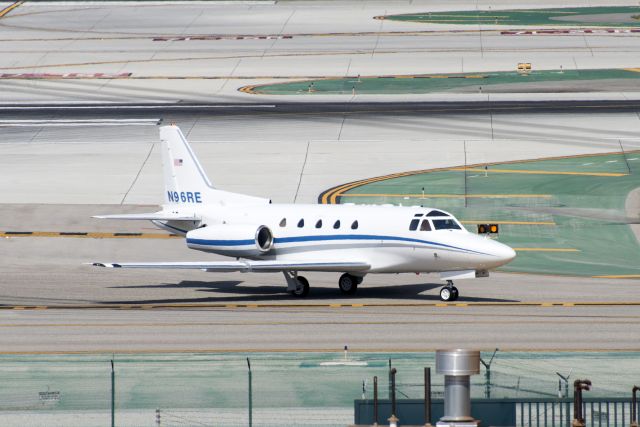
(52, 302)
(62, 164)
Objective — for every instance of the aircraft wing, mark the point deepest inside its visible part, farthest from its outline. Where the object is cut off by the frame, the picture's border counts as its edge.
(244, 266)
(156, 216)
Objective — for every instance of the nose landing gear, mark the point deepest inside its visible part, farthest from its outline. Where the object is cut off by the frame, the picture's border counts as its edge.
(449, 292)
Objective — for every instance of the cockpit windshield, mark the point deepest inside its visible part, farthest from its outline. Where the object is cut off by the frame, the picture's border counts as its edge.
(445, 224)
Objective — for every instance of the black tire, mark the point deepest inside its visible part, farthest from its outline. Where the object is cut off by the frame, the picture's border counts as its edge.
(303, 288)
(446, 294)
(348, 284)
(455, 294)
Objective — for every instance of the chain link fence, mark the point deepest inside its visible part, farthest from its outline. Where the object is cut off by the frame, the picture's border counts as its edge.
(283, 389)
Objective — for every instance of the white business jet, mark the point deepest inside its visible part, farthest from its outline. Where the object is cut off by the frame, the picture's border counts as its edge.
(351, 239)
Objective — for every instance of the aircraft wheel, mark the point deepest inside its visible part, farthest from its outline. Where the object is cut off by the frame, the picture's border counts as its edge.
(302, 290)
(454, 290)
(447, 294)
(348, 284)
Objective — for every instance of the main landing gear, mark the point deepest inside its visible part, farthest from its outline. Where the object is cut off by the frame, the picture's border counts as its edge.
(298, 286)
(348, 283)
(302, 288)
(449, 292)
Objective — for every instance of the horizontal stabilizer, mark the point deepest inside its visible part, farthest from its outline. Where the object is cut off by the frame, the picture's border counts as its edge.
(156, 216)
(245, 266)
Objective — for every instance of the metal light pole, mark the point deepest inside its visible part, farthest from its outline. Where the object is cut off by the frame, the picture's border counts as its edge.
(487, 375)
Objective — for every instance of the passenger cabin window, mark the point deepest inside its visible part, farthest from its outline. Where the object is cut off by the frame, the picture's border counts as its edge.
(301, 223)
(425, 226)
(283, 222)
(445, 224)
(319, 223)
(354, 226)
(436, 213)
(414, 224)
(336, 224)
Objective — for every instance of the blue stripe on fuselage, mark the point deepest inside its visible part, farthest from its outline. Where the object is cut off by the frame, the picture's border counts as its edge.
(295, 239)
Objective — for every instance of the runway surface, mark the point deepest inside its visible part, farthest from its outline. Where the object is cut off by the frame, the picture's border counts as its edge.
(205, 52)
(14, 114)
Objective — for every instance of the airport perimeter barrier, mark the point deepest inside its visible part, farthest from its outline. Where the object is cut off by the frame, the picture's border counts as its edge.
(286, 389)
(529, 412)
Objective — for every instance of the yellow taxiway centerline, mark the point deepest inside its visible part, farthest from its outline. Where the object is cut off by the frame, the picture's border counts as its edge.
(618, 276)
(539, 172)
(9, 8)
(448, 196)
(440, 304)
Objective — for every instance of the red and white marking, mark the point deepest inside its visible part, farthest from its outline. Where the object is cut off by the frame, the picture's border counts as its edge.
(64, 76)
(190, 38)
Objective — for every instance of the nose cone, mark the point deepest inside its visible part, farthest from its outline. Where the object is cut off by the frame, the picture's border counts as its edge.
(503, 253)
(499, 253)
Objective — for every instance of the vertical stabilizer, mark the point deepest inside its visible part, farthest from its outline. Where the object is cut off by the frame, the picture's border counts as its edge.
(185, 182)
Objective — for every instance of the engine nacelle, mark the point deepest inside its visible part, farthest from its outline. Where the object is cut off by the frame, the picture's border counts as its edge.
(232, 240)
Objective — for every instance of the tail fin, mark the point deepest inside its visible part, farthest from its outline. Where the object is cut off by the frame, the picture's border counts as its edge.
(185, 181)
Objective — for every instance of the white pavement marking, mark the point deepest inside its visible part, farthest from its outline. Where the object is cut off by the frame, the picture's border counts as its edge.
(130, 106)
(79, 122)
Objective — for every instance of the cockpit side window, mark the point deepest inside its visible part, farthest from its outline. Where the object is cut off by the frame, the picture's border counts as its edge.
(425, 226)
(445, 224)
(413, 226)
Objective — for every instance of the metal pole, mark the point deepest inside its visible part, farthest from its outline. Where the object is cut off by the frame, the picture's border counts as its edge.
(578, 386)
(393, 420)
(487, 375)
(375, 401)
(393, 391)
(634, 406)
(389, 379)
(427, 397)
(113, 395)
(250, 395)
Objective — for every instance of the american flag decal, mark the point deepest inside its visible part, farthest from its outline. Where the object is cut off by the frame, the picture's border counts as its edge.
(177, 162)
